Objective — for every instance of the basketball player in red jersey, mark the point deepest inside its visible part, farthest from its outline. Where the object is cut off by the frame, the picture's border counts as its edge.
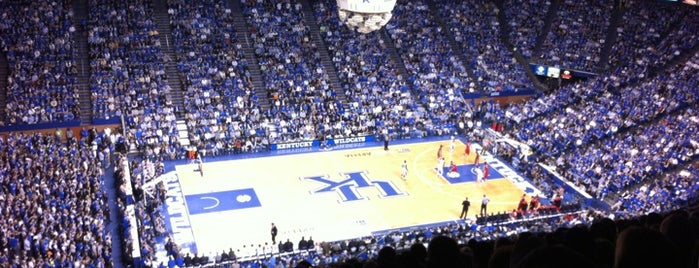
(486, 172)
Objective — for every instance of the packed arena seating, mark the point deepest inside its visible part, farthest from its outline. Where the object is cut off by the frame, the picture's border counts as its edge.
(436, 72)
(422, 43)
(53, 200)
(221, 107)
(38, 40)
(655, 118)
(377, 96)
(680, 39)
(644, 153)
(580, 124)
(129, 75)
(673, 191)
(302, 100)
(526, 18)
(645, 24)
(577, 35)
(618, 78)
(519, 113)
(475, 24)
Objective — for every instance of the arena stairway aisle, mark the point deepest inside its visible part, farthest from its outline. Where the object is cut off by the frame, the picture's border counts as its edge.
(174, 78)
(550, 15)
(328, 66)
(114, 220)
(4, 73)
(610, 40)
(182, 132)
(242, 34)
(398, 62)
(468, 60)
(82, 60)
(504, 33)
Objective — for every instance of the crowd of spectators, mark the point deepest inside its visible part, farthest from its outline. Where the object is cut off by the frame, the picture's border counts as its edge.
(128, 74)
(475, 24)
(147, 211)
(526, 18)
(52, 184)
(367, 248)
(38, 40)
(542, 104)
(220, 105)
(597, 89)
(436, 72)
(577, 35)
(378, 97)
(680, 39)
(644, 25)
(678, 82)
(580, 124)
(639, 155)
(303, 105)
(638, 55)
(54, 206)
(587, 239)
(672, 191)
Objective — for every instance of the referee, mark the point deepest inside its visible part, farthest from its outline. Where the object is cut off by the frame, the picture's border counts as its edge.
(484, 205)
(464, 208)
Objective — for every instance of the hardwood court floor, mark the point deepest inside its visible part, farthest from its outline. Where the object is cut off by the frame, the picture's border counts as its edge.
(330, 195)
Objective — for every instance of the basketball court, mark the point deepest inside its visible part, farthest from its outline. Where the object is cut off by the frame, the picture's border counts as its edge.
(329, 195)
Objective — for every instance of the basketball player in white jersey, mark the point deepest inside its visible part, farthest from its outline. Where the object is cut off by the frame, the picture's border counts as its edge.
(440, 166)
(479, 174)
(452, 144)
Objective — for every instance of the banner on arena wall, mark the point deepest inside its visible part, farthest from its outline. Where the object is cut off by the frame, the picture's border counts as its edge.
(350, 140)
(316, 143)
(294, 145)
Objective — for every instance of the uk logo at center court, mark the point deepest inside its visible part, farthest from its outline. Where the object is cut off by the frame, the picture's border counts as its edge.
(351, 182)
